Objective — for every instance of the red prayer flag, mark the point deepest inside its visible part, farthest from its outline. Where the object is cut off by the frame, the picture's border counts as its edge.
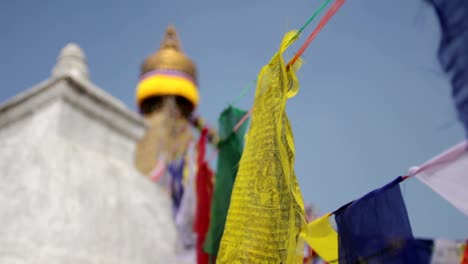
(204, 193)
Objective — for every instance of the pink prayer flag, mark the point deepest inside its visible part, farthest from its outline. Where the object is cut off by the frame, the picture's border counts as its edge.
(447, 175)
(158, 170)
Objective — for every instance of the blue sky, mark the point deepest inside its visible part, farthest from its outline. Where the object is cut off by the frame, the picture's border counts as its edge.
(373, 100)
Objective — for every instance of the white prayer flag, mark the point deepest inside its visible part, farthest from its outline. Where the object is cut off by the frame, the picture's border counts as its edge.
(447, 175)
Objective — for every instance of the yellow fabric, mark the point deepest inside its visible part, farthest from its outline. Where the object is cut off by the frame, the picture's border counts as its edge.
(158, 85)
(462, 252)
(322, 238)
(266, 213)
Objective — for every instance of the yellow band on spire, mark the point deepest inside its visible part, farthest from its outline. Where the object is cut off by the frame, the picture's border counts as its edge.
(159, 85)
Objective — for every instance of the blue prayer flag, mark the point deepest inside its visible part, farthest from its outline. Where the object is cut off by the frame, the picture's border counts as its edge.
(453, 49)
(176, 171)
(364, 224)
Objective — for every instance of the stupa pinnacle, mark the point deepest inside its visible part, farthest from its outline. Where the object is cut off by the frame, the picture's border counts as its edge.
(71, 61)
(170, 56)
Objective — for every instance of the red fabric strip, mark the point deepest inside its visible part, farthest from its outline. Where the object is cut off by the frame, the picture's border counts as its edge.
(465, 255)
(204, 192)
(333, 9)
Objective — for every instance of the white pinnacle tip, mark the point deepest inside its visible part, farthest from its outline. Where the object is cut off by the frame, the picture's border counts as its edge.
(71, 61)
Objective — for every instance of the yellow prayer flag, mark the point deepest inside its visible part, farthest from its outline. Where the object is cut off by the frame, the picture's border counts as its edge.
(266, 213)
(322, 238)
(464, 253)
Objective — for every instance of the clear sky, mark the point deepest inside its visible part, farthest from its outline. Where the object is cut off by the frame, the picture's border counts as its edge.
(373, 100)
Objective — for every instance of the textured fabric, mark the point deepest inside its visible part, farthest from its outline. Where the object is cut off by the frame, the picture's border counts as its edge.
(323, 238)
(311, 257)
(447, 251)
(379, 215)
(453, 49)
(204, 187)
(266, 213)
(414, 251)
(464, 258)
(159, 169)
(176, 172)
(397, 251)
(447, 175)
(418, 251)
(229, 153)
(185, 215)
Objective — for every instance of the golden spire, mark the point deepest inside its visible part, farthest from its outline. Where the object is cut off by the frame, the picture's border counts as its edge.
(171, 39)
(170, 57)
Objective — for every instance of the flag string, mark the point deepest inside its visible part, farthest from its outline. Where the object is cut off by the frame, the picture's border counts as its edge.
(330, 13)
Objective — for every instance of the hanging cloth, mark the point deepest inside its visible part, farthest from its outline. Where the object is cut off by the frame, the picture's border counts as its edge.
(184, 218)
(464, 257)
(446, 175)
(176, 172)
(453, 50)
(410, 250)
(266, 213)
(323, 238)
(379, 215)
(229, 153)
(204, 192)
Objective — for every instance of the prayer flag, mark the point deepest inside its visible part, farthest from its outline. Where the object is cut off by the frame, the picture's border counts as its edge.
(266, 213)
(204, 188)
(447, 175)
(379, 215)
(229, 153)
(323, 238)
(176, 172)
(420, 251)
(453, 50)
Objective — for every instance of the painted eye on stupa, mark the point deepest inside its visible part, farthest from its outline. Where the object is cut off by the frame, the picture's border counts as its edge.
(185, 106)
(151, 105)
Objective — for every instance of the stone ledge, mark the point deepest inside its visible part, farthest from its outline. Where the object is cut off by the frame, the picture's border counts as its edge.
(79, 92)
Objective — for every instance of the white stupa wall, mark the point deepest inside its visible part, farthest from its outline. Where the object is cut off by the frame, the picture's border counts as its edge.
(68, 190)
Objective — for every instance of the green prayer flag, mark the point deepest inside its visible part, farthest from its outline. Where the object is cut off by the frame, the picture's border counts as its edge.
(230, 150)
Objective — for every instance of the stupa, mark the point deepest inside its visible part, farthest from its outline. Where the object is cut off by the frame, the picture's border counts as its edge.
(70, 192)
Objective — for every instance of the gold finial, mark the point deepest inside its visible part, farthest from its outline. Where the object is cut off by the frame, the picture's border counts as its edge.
(171, 39)
(170, 56)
